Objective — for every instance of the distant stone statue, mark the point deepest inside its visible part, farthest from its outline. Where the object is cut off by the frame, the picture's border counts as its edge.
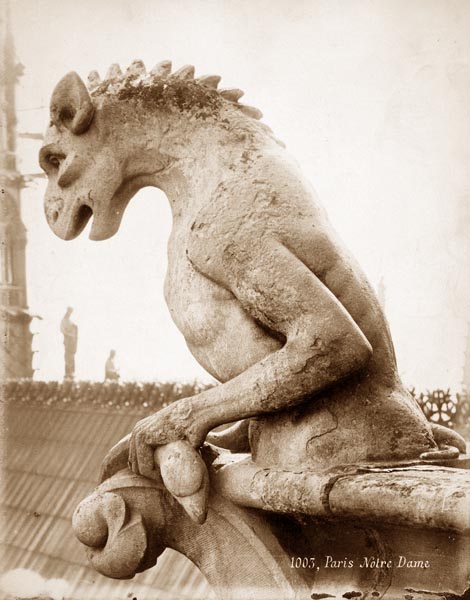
(70, 332)
(111, 372)
(268, 298)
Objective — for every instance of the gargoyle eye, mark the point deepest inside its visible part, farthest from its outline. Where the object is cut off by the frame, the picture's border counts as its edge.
(50, 159)
(53, 160)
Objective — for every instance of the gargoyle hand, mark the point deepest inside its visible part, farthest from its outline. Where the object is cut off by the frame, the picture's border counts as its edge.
(165, 444)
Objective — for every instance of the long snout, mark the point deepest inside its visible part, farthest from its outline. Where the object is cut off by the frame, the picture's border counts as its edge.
(66, 219)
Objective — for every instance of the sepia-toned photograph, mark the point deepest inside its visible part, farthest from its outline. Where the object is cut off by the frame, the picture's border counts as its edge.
(235, 299)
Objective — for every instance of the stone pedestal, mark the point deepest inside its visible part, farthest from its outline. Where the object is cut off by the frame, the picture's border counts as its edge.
(384, 531)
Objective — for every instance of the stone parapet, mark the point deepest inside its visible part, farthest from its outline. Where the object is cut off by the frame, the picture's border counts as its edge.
(388, 531)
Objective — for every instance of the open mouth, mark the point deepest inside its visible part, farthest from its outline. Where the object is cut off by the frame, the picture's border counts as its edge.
(82, 216)
(76, 224)
(67, 224)
(68, 220)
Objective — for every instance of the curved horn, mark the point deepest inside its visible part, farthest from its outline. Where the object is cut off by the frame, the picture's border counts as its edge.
(251, 111)
(186, 72)
(210, 81)
(114, 72)
(136, 68)
(232, 94)
(71, 104)
(161, 69)
(94, 80)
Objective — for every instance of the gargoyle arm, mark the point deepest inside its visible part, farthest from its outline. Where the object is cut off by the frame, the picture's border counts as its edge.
(323, 343)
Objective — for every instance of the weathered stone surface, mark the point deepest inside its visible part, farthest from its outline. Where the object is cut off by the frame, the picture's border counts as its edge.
(232, 94)
(71, 105)
(267, 297)
(211, 81)
(128, 521)
(341, 536)
(414, 495)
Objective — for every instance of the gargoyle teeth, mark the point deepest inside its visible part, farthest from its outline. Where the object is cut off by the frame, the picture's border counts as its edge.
(161, 69)
(186, 72)
(232, 94)
(137, 67)
(210, 81)
(94, 80)
(251, 111)
(114, 72)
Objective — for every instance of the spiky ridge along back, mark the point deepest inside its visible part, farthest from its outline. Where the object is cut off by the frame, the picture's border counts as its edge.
(161, 86)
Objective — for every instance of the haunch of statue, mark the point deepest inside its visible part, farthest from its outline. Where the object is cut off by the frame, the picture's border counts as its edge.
(268, 299)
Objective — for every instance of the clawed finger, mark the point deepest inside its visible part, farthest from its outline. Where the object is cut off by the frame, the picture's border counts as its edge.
(116, 459)
(196, 505)
(181, 467)
(141, 454)
(185, 476)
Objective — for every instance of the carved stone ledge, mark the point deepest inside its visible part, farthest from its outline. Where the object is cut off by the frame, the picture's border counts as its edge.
(262, 521)
(129, 520)
(420, 495)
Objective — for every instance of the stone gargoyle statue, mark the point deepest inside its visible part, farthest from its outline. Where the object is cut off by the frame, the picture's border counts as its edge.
(267, 297)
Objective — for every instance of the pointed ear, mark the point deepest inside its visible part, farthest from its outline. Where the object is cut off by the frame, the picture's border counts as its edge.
(71, 104)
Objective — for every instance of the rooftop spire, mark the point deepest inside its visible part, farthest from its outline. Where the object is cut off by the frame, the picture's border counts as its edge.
(15, 347)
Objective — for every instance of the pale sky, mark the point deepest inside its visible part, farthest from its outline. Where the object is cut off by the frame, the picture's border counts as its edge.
(371, 98)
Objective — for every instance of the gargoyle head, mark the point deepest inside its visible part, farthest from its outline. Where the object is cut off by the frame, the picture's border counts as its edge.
(101, 148)
(83, 159)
